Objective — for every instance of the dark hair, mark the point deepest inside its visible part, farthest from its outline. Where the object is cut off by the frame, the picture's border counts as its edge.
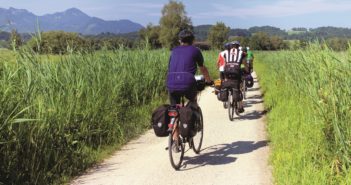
(186, 36)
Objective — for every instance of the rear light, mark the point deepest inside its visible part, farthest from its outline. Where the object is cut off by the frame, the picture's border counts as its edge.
(173, 113)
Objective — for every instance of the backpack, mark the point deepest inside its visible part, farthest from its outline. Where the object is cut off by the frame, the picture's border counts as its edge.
(160, 120)
(187, 121)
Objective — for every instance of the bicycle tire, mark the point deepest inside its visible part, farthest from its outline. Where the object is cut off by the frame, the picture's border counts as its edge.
(244, 89)
(176, 164)
(199, 134)
(231, 107)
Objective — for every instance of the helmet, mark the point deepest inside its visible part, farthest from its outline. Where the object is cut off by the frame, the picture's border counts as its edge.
(248, 48)
(236, 43)
(186, 36)
(228, 45)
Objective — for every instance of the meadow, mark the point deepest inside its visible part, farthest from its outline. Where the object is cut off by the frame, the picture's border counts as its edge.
(308, 96)
(61, 114)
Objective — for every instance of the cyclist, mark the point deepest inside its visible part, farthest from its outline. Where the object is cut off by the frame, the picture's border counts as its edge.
(237, 56)
(249, 59)
(222, 59)
(182, 67)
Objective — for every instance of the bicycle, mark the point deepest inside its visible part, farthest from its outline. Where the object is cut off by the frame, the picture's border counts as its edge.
(234, 94)
(176, 143)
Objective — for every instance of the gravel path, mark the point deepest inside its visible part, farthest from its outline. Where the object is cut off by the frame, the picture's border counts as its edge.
(232, 152)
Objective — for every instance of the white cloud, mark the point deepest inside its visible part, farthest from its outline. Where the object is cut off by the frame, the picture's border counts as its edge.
(278, 9)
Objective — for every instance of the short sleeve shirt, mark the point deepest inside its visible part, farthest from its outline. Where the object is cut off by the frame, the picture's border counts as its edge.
(185, 59)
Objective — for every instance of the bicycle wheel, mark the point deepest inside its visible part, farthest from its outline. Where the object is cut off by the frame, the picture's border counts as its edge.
(244, 89)
(197, 139)
(176, 152)
(231, 105)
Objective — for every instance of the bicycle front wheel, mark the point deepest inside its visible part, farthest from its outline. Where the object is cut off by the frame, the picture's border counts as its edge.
(231, 106)
(197, 139)
(176, 151)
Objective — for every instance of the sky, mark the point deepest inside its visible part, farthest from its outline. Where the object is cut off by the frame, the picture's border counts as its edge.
(284, 14)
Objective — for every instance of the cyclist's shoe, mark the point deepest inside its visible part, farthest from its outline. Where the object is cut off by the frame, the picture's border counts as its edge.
(225, 105)
(241, 110)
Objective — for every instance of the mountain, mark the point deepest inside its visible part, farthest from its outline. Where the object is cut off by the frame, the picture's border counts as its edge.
(71, 20)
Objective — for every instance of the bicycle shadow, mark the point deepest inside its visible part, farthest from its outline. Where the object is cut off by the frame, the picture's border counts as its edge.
(250, 103)
(221, 154)
(252, 115)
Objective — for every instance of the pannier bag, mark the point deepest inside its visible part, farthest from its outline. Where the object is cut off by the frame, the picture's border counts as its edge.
(218, 83)
(232, 71)
(186, 122)
(222, 95)
(249, 81)
(160, 120)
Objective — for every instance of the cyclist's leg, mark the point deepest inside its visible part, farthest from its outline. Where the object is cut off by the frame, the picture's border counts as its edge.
(191, 95)
(174, 98)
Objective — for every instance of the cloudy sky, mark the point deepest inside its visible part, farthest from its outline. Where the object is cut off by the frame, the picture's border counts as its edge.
(234, 13)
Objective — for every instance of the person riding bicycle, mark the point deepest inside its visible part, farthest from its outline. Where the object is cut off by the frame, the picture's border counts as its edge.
(182, 67)
(249, 59)
(222, 59)
(238, 57)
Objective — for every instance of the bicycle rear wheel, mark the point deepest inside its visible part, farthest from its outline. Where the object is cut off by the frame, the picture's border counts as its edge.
(231, 106)
(175, 151)
(244, 89)
(197, 139)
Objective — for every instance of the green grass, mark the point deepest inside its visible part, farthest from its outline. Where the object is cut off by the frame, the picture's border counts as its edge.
(61, 114)
(308, 95)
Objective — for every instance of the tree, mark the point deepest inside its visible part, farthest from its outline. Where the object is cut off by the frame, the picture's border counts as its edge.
(218, 34)
(151, 35)
(173, 20)
(16, 40)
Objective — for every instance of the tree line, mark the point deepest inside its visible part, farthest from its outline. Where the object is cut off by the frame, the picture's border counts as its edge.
(174, 19)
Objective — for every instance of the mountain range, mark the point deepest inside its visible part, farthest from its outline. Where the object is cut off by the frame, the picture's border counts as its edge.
(71, 20)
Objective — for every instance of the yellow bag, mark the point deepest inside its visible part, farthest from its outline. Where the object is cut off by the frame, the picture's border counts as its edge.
(218, 83)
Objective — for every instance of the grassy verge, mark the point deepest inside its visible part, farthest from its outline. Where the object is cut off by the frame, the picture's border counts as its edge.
(308, 95)
(61, 114)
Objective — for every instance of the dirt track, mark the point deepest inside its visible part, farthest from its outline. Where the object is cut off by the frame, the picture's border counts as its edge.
(232, 152)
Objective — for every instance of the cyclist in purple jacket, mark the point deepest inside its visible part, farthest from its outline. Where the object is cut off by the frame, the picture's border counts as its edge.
(182, 67)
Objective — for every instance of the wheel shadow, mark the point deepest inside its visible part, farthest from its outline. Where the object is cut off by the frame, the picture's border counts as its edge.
(221, 154)
(252, 115)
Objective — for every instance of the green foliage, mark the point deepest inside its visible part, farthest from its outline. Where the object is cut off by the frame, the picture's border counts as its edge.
(337, 44)
(308, 95)
(57, 42)
(173, 20)
(58, 112)
(15, 40)
(151, 35)
(218, 35)
(262, 41)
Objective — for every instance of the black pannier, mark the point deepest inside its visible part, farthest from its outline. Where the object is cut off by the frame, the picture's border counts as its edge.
(222, 95)
(160, 120)
(187, 122)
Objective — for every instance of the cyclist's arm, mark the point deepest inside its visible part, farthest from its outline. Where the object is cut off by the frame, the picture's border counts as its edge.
(203, 69)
